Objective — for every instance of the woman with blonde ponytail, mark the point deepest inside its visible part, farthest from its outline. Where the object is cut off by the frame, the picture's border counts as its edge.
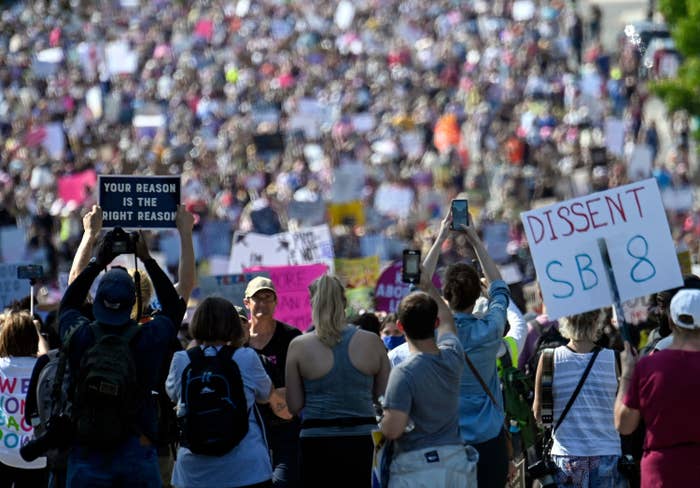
(335, 374)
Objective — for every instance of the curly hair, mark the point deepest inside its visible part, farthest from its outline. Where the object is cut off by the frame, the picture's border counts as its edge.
(462, 286)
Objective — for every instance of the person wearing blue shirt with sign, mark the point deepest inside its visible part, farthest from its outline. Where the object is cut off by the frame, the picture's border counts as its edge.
(480, 419)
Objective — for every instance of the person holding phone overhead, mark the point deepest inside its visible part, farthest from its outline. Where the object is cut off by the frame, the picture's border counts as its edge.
(480, 419)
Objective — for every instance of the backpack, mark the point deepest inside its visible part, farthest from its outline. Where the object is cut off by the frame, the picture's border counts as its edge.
(550, 338)
(518, 394)
(214, 412)
(107, 397)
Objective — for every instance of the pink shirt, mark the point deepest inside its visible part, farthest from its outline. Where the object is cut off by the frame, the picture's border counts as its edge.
(665, 388)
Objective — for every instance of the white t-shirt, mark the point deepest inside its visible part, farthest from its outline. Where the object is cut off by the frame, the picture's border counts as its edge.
(15, 373)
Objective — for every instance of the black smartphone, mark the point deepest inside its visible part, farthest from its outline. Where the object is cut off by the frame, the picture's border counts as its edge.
(411, 266)
(460, 214)
(30, 272)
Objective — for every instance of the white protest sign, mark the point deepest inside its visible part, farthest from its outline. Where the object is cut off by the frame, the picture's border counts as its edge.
(523, 10)
(615, 136)
(11, 288)
(563, 242)
(344, 14)
(308, 246)
(120, 58)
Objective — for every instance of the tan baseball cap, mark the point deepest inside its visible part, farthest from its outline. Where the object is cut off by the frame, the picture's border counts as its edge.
(257, 284)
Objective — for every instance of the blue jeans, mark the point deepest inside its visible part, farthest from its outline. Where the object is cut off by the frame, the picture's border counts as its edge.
(127, 465)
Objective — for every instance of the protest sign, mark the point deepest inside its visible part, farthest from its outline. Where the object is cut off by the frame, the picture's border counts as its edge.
(11, 288)
(348, 213)
(307, 213)
(308, 246)
(292, 287)
(55, 140)
(231, 287)
(12, 244)
(496, 236)
(563, 240)
(636, 310)
(77, 186)
(360, 298)
(15, 432)
(394, 200)
(120, 58)
(358, 273)
(390, 289)
(615, 136)
(146, 202)
(641, 162)
(386, 248)
(348, 182)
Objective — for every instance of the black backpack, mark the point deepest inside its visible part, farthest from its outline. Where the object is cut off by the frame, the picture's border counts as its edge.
(108, 396)
(214, 415)
(550, 338)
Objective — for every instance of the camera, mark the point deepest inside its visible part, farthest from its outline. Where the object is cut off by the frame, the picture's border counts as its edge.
(30, 272)
(121, 242)
(544, 471)
(58, 434)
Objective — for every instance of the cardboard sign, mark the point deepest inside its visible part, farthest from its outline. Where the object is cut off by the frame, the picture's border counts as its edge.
(308, 246)
(563, 242)
(636, 310)
(146, 202)
(358, 273)
(292, 286)
(390, 289)
(230, 287)
(11, 288)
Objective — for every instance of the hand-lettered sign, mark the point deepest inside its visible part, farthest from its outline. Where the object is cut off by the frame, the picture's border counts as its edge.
(563, 242)
(146, 202)
(391, 289)
(292, 287)
(230, 287)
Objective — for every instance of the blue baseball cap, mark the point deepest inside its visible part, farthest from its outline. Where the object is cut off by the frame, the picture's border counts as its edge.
(115, 297)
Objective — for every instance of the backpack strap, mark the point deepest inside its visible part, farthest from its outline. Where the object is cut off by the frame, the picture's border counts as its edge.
(131, 330)
(546, 382)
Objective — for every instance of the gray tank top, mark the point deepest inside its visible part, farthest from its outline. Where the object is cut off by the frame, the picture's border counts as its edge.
(343, 392)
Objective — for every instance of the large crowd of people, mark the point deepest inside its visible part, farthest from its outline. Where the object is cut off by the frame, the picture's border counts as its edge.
(268, 109)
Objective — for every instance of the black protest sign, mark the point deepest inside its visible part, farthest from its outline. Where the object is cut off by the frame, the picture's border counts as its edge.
(146, 202)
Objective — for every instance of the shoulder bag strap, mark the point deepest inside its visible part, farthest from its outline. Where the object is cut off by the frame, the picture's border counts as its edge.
(480, 380)
(577, 390)
(546, 381)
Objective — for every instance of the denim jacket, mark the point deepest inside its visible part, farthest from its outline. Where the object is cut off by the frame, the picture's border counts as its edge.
(479, 419)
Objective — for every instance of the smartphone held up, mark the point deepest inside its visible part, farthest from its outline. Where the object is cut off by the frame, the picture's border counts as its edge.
(460, 214)
(411, 266)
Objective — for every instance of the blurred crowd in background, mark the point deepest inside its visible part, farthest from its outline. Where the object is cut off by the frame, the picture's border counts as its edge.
(273, 110)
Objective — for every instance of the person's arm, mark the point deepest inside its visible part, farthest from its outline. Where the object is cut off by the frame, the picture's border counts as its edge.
(626, 418)
(536, 403)
(172, 305)
(43, 346)
(518, 326)
(446, 320)
(488, 265)
(293, 380)
(394, 423)
(382, 377)
(431, 259)
(186, 270)
(92, 225)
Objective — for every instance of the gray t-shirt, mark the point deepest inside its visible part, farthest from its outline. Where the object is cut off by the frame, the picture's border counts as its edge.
(426, 387)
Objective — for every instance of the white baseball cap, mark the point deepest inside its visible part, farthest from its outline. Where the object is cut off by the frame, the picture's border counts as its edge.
(685, 309)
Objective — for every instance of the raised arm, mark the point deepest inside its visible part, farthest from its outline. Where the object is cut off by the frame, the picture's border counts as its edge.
(92, 225)
(447, 322)
(172, 305)
(488, 265)
(186, 271)
(431, 259)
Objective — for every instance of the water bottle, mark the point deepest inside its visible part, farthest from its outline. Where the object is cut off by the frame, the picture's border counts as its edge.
(516, 439)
